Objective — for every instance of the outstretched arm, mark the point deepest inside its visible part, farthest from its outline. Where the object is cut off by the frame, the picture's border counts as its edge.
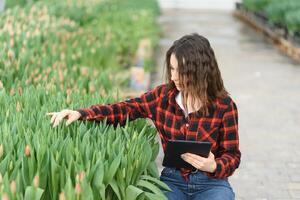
(140, 107)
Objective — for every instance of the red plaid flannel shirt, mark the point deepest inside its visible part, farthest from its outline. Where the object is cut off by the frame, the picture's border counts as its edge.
(220, 127)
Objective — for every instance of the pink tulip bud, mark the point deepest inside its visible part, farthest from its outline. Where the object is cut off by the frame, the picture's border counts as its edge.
(10, 54)
(5, 196)
(18, 107)
(13, 187)
(1, 178)
(27, 150)
(62, 196)
(77, 178)
(36, 181)
(84, 71)
(77, 189)
(92, 88)
(12, 92)
(20, 91)
(81, 175)
(1, 151)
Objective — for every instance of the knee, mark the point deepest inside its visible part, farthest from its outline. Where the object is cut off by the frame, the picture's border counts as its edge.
(223, 194)
(173, 196)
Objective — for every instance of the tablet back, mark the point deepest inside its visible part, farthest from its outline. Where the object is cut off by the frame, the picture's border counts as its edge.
(175, 148)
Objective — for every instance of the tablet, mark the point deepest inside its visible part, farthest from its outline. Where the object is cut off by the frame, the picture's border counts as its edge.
(175, 148)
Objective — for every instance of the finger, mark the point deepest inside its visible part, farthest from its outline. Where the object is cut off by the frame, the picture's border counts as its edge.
(51, 113)
(56, 122)
(71, 119)
(68, 122)
(195, 156)
(193, 162)
(191, 159)
(58, 119)
(53, 118)
(211, 154)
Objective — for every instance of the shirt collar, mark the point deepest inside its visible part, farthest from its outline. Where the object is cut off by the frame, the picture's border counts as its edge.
(171, 99)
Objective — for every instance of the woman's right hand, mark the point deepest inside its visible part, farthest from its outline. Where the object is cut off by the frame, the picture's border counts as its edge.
(70, 115)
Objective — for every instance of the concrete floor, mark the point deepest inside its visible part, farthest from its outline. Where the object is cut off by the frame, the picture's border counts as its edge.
(266, 87)
(198, 4)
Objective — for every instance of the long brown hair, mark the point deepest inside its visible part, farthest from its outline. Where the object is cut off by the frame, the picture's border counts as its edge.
(199, 74)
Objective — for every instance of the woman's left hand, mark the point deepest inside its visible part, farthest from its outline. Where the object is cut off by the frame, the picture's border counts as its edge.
(204, 164)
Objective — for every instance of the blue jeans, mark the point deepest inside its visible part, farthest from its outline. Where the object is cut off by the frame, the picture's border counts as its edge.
(199, 186)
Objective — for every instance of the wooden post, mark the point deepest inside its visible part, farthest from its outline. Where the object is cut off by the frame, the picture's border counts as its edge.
(280, 42)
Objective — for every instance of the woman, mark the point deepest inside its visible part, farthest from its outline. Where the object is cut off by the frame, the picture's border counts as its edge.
(193, 105)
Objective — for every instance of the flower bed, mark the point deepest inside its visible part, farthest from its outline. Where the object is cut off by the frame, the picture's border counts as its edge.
(82, 161)
(72, 54)
(281, 13)
(47, 42)
(276, 19)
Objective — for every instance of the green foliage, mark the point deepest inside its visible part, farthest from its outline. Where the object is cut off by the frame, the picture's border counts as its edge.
(51, 41)
(256, 5)
(86, 160)
(279, 12)
(70, 54)
(292, 20)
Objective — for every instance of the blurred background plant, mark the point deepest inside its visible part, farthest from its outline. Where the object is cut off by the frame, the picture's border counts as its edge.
(282, 13)
(69, 43)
